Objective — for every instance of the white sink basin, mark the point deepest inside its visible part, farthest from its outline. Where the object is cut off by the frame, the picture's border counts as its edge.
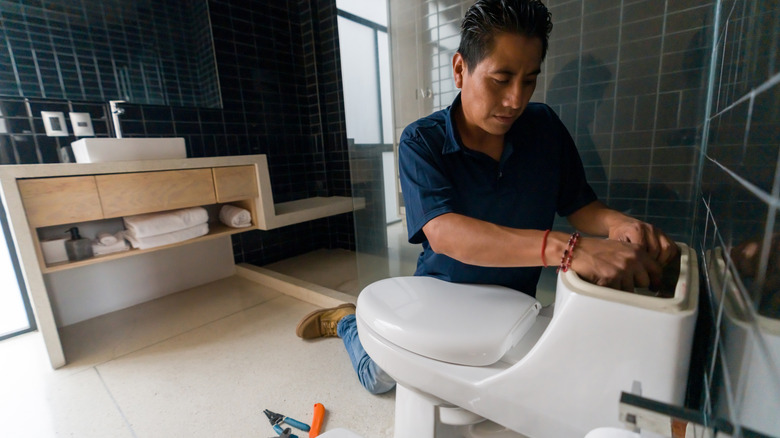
(99, 150)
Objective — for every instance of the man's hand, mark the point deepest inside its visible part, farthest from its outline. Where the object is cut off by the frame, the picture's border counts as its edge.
(649, 238)
(616, 264)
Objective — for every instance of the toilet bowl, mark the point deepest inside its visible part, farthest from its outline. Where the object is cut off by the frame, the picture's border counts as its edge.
(463, 353)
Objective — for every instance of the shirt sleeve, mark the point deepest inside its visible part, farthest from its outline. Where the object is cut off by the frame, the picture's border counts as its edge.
(427, 190)
(575, 191)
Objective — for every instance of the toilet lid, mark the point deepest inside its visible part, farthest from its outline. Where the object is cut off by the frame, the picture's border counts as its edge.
(465, 324)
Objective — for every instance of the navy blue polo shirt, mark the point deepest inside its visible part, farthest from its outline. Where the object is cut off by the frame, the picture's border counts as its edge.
(539, 174)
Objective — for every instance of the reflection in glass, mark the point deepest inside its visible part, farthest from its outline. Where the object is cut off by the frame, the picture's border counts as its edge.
(750, 340)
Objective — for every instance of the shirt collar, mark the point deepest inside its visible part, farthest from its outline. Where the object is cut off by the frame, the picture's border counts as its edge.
(452, 143)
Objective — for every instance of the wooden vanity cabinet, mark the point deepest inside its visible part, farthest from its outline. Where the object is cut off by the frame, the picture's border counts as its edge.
(127, 194)
(57, 201)
(40, 196)
(235, 183)
(77, 199)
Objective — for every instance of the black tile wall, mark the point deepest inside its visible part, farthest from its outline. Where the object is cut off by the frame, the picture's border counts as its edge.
(695, 154)
(279, 75)
(736, 217)
(98, 50)
(627, 79)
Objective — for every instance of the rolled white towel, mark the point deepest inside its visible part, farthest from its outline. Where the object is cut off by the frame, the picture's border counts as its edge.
(235, 217)
(154, 224)
(120, 244)
(106, 238)
(168, 238)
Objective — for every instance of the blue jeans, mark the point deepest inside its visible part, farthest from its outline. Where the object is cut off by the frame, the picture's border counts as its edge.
(370, 375)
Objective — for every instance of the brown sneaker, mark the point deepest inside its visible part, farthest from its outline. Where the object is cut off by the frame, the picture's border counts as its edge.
(323, 322)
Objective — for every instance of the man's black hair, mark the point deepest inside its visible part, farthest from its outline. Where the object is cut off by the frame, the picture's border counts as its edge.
(486, 18)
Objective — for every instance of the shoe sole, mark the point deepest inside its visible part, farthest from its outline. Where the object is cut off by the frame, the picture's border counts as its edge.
(305, 319)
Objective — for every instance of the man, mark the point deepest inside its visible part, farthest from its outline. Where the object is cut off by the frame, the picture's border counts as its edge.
(483, 179)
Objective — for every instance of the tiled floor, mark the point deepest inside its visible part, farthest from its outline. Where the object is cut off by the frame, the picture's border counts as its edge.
(200, 363)
(204, 362)
(351, 271)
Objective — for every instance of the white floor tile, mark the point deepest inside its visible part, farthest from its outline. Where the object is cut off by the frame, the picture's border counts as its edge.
(204, 362)
(37, 401)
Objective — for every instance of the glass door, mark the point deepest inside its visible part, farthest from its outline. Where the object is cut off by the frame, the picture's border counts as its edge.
(380, 236)
(15, 311)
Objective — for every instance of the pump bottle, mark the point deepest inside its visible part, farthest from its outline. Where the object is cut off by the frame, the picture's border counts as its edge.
(78, 248)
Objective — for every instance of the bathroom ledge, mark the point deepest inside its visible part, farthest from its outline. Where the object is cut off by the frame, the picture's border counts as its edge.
(294, 287)
(302, 210)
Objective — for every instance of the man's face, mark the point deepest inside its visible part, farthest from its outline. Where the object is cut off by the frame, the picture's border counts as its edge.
(497, 90)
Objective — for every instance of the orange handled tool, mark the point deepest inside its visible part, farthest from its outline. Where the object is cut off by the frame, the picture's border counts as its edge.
(316, 422)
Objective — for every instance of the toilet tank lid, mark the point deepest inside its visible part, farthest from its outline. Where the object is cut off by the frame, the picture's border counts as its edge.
(465, 324)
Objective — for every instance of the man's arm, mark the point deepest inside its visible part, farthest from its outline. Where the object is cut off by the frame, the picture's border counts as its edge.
(599, 220)
(481, 243)
(620, 265)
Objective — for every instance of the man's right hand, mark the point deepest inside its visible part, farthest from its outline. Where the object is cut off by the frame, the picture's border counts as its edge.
(615, 264)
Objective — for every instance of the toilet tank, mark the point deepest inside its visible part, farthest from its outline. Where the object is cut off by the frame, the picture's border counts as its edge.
(599, 343)
(603, 341)
(658, 328)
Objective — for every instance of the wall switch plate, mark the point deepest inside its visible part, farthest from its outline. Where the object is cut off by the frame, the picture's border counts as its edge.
(54, 121)
(82, 125)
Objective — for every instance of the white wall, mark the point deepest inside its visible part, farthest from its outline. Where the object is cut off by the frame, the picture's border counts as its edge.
(89, 291)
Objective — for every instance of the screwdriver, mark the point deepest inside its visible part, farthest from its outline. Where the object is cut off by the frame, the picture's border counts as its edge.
(316, 422)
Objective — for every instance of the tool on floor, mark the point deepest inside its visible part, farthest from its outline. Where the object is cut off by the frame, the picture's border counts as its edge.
(316, 422)
(277, 419)
(286, 433)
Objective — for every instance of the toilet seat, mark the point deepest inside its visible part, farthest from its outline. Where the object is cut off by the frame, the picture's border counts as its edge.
(462, 324)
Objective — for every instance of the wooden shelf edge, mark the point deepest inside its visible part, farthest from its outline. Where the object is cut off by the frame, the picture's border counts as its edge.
(216, 230)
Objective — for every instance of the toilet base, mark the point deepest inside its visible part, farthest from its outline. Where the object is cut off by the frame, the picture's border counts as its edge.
(489, 429)
(418, 415)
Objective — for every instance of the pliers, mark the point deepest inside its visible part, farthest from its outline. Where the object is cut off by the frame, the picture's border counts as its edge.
(286, 434)
(277, 419)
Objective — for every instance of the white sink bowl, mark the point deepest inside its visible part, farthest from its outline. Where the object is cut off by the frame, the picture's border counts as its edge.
(100, 150)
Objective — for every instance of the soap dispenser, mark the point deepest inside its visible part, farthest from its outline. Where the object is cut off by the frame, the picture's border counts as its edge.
(78, 248)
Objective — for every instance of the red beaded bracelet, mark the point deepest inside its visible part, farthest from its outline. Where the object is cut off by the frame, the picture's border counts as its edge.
(544, 246)
(568, 253)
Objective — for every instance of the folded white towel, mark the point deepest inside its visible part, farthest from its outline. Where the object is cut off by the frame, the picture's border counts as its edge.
(120, 244)
(235, 217)
(168, 238)
(107, 239)
(154, 224)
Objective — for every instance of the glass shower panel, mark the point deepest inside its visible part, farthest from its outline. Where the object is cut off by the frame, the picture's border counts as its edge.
(385, 87)
(372, 10)
(380, 234)
(361, 81)
(13, 312)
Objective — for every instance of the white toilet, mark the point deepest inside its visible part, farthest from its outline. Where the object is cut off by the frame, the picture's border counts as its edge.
(463, 354)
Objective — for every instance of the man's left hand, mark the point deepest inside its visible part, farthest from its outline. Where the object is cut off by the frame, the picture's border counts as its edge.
(657, 244)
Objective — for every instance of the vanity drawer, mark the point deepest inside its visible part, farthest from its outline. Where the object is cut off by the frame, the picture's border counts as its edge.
(235, 183)
(57, 201)
(145, 192)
